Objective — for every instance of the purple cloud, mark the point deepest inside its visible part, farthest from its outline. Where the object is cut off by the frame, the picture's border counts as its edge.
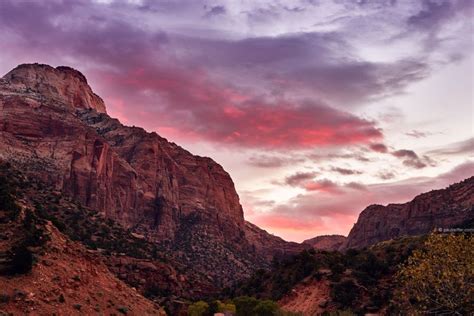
(411, 159)
(380, 148)
(269, 161)
(328, 214)
(299, 178)
(345, 172)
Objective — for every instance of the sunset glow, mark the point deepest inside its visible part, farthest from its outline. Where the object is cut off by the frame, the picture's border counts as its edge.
(316, 109)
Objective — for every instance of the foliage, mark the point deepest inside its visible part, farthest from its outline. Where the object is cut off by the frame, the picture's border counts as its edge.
(7, 200)
(240, 306)
(344, 292)
(226, 307)
(439, 278)
(199, 308)
(22, 261)
(34, 230)
(266, 308)
(245, 305)
(359, 279)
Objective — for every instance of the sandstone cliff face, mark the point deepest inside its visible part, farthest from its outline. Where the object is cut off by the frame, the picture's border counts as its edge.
(171, 183)
(326, 242)
(445, 208)
(63, 84)
(55, 128)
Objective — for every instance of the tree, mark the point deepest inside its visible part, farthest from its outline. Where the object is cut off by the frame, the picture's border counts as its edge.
(226, 307)
(439, 278)
(199, 308)
(266, 308)
(245, 305)
(344, 292)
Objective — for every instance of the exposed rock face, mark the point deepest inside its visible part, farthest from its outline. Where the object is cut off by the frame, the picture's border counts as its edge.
(55, 128)
(445, 208)
(326, 242)
(170, 183)
(63, 84)
(270, 245)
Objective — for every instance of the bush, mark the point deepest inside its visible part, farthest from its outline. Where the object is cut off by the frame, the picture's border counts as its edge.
(266, 308)
(123, 310)
(344, 292)
(438, 278)
(22, 261)
(245, 305)
(199, 308)
(226, 307)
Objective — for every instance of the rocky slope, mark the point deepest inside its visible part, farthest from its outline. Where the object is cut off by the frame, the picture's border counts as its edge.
(446, 208)
(309, 297)
(54, 128)
(326, 242)
(44, 272)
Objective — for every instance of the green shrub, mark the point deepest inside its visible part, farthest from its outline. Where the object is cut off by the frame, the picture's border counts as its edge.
(199, 308)
(266, 308)
(245, 305)
(344, 292)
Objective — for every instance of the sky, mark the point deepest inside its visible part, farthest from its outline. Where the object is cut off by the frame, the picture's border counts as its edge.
(316, 108)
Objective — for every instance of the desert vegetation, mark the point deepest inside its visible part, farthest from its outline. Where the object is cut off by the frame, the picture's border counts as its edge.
(240, 306)
(439, 277)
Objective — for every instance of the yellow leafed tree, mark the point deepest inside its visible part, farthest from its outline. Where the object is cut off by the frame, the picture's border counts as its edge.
(439, 278)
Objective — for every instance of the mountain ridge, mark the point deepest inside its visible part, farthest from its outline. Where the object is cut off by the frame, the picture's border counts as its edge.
(443, 208)
(58, 132)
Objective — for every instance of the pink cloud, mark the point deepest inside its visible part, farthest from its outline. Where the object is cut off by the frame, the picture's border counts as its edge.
(324, 213)
(210, 111)
(324, 186)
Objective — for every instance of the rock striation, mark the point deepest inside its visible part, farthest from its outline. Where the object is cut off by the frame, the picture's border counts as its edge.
(446, 208)
(56, 129)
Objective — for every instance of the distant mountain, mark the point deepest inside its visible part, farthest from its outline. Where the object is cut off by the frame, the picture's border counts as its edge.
(446, 208)
(55, 129)
(326, 242)
(362, 277)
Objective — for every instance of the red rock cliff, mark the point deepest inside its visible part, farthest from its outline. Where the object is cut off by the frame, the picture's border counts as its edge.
(445, 208)
(55, 127)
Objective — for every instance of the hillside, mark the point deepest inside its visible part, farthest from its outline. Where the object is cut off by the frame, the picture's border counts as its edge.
(326, 242)
(42, 271)
(362, 278)
(56, 130)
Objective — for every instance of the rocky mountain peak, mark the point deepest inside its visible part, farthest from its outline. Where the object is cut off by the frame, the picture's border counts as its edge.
(64, 84)
(55, 129)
